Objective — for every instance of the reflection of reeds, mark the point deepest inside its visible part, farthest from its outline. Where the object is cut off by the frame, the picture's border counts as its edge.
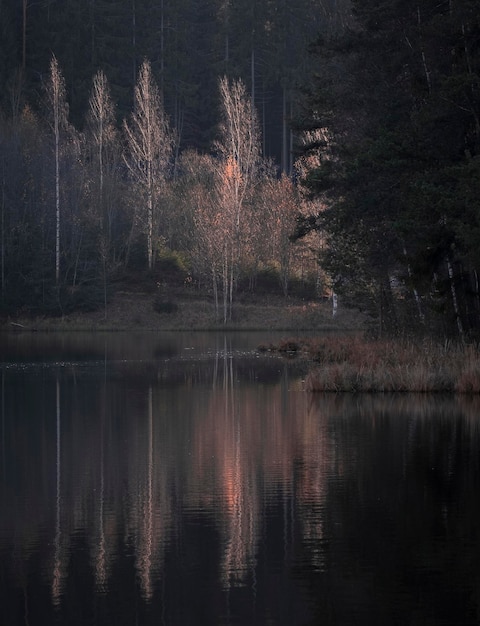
(353, 364)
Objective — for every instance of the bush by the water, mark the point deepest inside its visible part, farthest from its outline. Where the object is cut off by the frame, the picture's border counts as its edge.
(164, 305)
(353, 364)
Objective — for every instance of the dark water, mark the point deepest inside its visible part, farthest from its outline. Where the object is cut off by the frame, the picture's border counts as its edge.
(182, 479)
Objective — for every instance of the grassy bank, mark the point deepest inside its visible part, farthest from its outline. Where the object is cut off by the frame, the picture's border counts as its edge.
(353, 364)
(129, 311)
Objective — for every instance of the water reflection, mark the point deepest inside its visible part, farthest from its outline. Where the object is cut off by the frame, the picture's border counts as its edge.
(221, 495)
(58, 560)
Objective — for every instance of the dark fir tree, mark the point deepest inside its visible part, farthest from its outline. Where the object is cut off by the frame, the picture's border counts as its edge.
(400, 97)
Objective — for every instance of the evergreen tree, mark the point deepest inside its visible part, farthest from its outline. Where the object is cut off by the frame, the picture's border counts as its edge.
(10, 69)
(401, 140)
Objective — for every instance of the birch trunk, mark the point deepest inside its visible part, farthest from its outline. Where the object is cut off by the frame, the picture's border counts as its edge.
(424, 58)
(237, 170)
(415, 292)
(454, 298)
(150, 145)
(57, 197)
(101, 123)
(56, 94)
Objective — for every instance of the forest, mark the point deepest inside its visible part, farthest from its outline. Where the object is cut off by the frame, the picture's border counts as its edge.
(332, 143)
(139, 135)
(391, 127)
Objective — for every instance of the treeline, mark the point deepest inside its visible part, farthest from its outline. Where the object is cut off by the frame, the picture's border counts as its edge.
(90, 188)
(392, 148)
(189, 43)
(78, 209)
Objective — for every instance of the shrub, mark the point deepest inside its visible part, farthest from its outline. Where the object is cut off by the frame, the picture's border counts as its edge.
(171, 263)
(357, 365)
(268, 279)
(85, 299)
(164, 305)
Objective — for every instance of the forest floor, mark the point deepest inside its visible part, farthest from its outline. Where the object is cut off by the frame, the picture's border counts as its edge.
(187, 310)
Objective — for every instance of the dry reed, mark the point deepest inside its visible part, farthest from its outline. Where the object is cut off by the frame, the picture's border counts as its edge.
(356, 365)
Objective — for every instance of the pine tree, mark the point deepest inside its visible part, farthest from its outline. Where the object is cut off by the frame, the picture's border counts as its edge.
(391, 173)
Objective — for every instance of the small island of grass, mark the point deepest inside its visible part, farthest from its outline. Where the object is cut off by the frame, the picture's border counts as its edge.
(355, 364)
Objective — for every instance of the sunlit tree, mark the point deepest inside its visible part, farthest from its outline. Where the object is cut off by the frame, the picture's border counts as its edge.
(239, 166)
(281, 207)
(149, 149)
(58, 108)
(101, 117)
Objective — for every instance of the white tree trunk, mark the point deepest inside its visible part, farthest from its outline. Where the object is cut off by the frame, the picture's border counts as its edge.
(334, 304)
(454, 298)
(150, 145)
(237, 170)
(58, 104)
(415, 292)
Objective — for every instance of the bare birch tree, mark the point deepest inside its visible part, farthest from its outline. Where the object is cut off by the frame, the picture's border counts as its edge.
(238, 169)
(56, 96)
(101, 124)
(103, 134)
(281, 206)
(202, 217)
(150, 144)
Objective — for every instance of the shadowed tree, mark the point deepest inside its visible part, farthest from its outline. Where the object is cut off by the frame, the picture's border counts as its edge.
(399, 96)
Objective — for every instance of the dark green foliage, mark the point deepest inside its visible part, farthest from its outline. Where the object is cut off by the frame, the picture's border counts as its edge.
(401, 178)
(171, 265)
(267, 280)
(84, 299)
(190, 44)
(163, 305)
(32, 297)
(9, 52)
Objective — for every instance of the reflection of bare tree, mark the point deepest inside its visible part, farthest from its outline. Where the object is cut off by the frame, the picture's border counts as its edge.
(60, 554)
(4, 455)
(318, 465)
(240, 510)
(130, 465)
(247, 447)
(145, 536)
(149, 490)
(100, 548)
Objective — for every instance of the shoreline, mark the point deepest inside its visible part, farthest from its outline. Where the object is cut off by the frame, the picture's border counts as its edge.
(135, 312)
(357, 365)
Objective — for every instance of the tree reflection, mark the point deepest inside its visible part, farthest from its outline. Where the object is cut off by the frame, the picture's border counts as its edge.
(60, 554)
(256, 486)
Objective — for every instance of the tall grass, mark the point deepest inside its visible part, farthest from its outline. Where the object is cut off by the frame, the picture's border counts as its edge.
(354, 364)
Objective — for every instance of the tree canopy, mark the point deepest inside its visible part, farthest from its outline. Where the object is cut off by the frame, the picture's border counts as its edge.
(398, 169)
(189, 43)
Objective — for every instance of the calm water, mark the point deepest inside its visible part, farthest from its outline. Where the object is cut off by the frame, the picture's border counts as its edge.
(182, 479)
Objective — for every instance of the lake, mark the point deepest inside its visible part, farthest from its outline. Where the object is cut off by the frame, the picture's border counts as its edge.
(183, 478)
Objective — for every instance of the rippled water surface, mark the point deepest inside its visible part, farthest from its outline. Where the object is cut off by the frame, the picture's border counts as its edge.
(186, 479)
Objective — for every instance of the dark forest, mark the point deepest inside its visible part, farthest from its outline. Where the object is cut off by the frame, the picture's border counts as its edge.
(139, 136)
